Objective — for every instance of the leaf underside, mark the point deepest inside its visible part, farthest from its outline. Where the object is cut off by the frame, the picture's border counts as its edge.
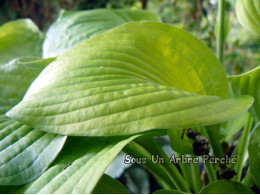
(124, 82)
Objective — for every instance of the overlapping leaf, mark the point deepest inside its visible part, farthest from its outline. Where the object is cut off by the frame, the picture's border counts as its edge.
(25, 153)
(74, 27)
(137, 77)
(79, 167)
(248, 14)
(16, 77)
(18, 39)
(248, 84)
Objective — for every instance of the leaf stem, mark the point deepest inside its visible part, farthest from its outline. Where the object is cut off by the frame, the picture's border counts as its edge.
(158, 171)
(220, 37)
(213, 135)
(242, 148)
(211, 172)
(195, 172)
(151, 145)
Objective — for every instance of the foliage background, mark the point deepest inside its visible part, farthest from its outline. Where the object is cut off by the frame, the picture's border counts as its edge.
(196, 16)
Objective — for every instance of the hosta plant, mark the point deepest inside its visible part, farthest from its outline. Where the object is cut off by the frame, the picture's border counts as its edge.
(104, 81)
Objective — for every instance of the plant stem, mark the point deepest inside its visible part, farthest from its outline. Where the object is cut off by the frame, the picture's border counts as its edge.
(220, 33)
(211, 172)
(153, 147)
(158, 171)
(242, 147)
(213, 135)
(195, 172)
(186, 172)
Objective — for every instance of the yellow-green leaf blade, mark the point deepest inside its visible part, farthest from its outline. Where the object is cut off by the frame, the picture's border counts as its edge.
(19, 38)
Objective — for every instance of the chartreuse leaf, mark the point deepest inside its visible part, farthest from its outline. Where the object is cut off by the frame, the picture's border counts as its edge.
(25, 153)
(226, 187)
(19, 38)
(248, 14)
(168, 192)
(79, 167)
(108, 185)
(248, 84)
(254, 154)
(136, 77)
(73, 27)
(15, 78)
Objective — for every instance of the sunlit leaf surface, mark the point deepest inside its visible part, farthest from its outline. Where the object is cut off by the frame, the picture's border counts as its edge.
(137, 77)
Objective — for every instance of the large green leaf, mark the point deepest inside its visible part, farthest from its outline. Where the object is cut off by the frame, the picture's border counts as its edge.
(248, 84)
(226, 187)
(18, 39)
(16, 77)
(128, 80)
(254, 154)
(25, 153)
(108, 185)
(73, 27)
(79, 167)
(248, 14)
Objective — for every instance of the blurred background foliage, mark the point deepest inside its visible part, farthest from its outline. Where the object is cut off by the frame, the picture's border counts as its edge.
(195, 16)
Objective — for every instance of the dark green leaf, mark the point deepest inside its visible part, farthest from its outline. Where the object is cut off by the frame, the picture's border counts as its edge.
(226, 187)
(108, 185)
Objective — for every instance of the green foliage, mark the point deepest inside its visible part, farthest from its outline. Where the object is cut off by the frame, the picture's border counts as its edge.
(108, 83)
(248, 84)
(74, 27)
(248, 14)
(18, 39)
(254, 155)
(168, 192)
(145, 85)
(108, 185)
(226, 187)
(25, 153)
(16, 77)
(79, 166)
